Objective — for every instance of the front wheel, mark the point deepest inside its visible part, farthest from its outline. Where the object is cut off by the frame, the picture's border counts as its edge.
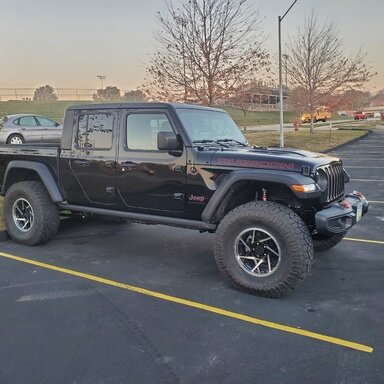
(30, 216)
(263, 248)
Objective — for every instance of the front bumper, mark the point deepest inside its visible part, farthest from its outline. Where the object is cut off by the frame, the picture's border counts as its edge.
(343, 215)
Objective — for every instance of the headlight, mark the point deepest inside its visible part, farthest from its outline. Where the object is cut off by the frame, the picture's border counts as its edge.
(321, 179)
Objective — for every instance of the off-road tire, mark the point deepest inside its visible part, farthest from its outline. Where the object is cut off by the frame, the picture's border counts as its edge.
(291, 235)
(45, 213)
(323, 243)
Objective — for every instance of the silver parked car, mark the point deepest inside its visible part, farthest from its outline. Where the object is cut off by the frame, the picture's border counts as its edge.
(29, 128)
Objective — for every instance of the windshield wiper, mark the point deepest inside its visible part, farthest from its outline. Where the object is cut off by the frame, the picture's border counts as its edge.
(235, 141)
(205, 141)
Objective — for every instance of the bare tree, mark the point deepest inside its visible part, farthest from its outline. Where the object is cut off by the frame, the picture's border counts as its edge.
(242, 99)
(205, 48)
(298, 100)
(317, 65)
(356, 99)
(247, 96)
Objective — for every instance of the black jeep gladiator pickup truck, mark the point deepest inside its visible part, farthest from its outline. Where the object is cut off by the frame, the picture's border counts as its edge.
(185, 166)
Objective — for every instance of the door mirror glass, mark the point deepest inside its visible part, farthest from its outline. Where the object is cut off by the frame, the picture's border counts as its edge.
(168, 141)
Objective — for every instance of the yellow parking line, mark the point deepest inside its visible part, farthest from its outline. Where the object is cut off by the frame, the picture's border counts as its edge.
(194, 304)
(364, 241)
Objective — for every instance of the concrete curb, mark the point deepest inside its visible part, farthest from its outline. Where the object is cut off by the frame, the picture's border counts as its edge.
(347, 142)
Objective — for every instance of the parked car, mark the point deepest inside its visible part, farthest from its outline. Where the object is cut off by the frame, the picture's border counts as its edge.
(29, 128)
(360, 116)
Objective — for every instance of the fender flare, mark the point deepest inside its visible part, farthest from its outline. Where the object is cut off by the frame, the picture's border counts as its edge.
(44, 173)
(262, 175)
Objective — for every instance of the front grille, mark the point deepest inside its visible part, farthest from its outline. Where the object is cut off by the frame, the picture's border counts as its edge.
(334, 175)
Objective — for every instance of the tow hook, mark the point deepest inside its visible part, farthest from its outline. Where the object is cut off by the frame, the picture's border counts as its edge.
(345, 204)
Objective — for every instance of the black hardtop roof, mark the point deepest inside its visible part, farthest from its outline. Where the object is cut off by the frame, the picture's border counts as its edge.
(140, 106)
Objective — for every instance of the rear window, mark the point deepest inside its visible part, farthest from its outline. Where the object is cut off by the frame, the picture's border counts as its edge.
(94, 131)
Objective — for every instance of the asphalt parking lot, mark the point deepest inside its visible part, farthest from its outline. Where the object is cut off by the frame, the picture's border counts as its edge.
(129, 303)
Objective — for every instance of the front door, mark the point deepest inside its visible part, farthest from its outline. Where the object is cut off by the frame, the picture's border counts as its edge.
(148, 179)
(93, 156)
(30, 129)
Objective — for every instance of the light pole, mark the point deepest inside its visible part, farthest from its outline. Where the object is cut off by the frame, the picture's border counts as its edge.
(285, 57)
(101, 78)
(280, 19)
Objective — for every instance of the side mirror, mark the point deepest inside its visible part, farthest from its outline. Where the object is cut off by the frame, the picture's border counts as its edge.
(57, 124)
(168, 141)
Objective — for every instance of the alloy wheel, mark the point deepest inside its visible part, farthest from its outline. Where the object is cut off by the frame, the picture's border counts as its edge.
(22, 214)
(257, 252)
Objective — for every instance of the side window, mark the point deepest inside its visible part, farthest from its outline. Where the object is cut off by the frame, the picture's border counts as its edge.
(94, 131)
(142, 130)
(45, 122)
(28, 121)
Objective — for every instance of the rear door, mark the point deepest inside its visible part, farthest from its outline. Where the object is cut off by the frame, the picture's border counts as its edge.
(93, 156)
(51, 131)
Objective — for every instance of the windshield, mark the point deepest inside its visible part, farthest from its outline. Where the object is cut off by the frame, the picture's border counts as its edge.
(204, 125)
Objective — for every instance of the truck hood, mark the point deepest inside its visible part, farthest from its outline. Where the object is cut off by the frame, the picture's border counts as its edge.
(285, 159)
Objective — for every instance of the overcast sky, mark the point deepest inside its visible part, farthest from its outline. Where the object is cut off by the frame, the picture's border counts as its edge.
(67, 43)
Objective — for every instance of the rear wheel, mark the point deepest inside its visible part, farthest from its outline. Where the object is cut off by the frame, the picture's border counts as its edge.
(263, 248)
(323, 242)
(15, 139)
(30, 215)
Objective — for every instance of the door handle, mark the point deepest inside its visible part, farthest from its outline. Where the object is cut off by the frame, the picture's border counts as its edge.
(82, 163)
(127, 166)
(179, 169)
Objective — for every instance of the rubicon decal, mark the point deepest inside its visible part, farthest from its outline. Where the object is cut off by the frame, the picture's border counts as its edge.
(255, 164)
